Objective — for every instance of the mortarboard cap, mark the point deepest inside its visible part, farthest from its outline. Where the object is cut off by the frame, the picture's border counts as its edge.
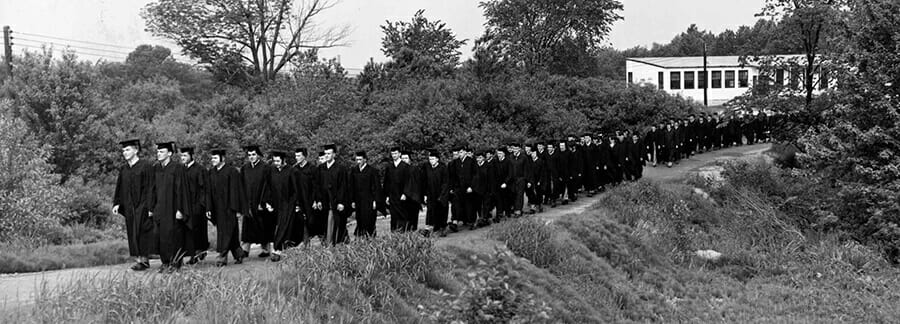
(434, 153)
(217, 151)
(187, 149)
(252, 148)
(361, 154)
(136, 143)
(279, 153)
(166, 145)
(301, 150)
(329, 147)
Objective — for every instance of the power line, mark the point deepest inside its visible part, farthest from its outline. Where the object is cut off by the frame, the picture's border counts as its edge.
(73, 40)
(70, 45)
(63, 51)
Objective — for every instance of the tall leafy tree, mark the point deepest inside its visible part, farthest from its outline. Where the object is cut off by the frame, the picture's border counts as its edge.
(527, 32)
(264, 35)
(810, 21)
(421, 46)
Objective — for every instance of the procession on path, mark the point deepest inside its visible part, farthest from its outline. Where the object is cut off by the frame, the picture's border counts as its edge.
(289, 200)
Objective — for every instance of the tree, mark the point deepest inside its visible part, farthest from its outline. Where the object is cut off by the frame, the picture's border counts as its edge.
(527, 32)
(267, 35)
(421, 47)
(810, 19)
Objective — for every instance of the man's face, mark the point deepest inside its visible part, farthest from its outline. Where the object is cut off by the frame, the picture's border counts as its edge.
(489, 155)
(515, 150)
(405, 158)
(299, 156)
(562, 146)
(329, 155)
(277, 161)
(551, 148)
(321, 159)
(480, 159)
(634, 138)
(216, 160)
(501, 155)
(129, 152)
(541, 147)
(163, 154)
(252, 156)
(433, 160)
(528, 150)
(360, 161)
(186, 158)
(395, 155)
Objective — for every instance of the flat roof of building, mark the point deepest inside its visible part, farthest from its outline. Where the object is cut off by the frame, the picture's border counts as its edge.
(690, 62)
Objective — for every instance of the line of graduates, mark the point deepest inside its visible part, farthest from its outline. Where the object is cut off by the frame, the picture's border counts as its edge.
(673, 140)
(282, 203)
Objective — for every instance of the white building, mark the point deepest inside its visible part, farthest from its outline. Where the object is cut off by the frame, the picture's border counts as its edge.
(728, 77)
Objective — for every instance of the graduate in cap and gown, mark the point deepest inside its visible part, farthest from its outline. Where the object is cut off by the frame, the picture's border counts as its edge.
(396, 180)
(365, 190)
(334, 197)
(437, 193)
(259, 223)
(195, 187)
(304, 178)
(131, 201)
(226, 205)
(168, 207)
(280, 198)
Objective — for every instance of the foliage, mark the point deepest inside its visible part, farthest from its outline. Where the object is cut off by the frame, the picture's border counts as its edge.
(266, 35)
(32, 203)
(527, 32)
(15, 258)
(420, 47)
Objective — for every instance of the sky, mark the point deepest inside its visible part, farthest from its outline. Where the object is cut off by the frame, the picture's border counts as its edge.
(100, 23)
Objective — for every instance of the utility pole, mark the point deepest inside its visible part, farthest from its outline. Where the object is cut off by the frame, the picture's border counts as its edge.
(705, 77)
(7, 49)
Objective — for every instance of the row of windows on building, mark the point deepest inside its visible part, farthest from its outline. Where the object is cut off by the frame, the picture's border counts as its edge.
(718, 82)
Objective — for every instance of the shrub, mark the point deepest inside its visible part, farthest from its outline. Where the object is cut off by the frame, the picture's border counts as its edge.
(530, 239)
(32, 204)
(22, 257)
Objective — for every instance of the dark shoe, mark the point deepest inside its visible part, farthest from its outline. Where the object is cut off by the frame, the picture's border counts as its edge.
(221, 263)
(264, 254)
(238, 260)
(453, 228)
(443, 232)
(193, 260)
(246, 253)
(275, 258)
(140, 266)
(540, 209)
(163, 268)
(202, 255)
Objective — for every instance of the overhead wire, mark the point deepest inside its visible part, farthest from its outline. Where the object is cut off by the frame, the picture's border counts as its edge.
(81, 49)
(72, 40)
(63, 51)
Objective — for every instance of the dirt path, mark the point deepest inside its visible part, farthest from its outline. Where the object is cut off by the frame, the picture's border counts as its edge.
(18, 290)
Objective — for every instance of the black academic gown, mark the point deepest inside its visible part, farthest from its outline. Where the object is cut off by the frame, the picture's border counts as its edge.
(504, 196)
(437, 190)
(132, 192)
(281, 195)
(396, 180)
(305, 176)
(196, 179)
(554, 164)
(365, 189)
(636, 158)
(168, 197)
(517, 179)
(226, 197)
(539, 176)
(259, 224)
(333, 191)
(482, 185)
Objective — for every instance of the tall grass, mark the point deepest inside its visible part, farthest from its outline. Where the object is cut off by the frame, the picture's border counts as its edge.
(16, 258)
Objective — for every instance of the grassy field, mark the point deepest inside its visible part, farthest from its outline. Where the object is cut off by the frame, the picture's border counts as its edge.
(629, 258)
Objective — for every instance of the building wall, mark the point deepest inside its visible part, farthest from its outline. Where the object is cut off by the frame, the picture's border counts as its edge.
(649, 74)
